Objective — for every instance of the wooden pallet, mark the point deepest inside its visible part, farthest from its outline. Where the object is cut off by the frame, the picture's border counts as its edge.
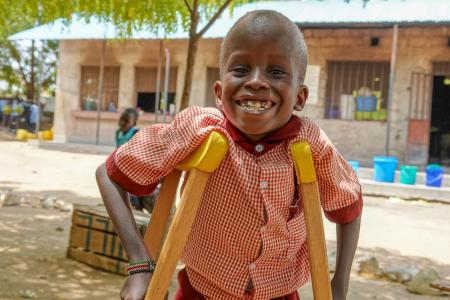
(93, 241)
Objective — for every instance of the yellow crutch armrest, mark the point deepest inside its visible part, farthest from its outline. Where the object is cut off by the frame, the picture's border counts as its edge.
(303, 162)
(208, 156)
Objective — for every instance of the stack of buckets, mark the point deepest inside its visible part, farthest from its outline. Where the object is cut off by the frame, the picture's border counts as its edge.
(368, 105)
(385, 166)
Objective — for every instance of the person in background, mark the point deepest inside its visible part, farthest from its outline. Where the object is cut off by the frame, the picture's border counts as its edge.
(16, 113)
(2, 103)
(33, 118)
(127, 129)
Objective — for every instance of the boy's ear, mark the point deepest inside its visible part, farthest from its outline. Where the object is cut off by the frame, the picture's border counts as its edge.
(302, 95)
(218, 93)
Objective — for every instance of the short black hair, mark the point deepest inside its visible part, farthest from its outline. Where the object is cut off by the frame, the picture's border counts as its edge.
(269, 18)
(130, 112)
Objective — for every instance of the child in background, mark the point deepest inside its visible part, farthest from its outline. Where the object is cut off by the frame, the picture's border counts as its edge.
(127, 129)
(246, 241)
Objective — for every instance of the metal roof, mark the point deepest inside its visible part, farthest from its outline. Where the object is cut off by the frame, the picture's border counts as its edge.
(307, 13)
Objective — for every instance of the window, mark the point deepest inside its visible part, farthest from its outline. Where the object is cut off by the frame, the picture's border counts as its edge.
(357, 90)
(89, 87)
(145, 85)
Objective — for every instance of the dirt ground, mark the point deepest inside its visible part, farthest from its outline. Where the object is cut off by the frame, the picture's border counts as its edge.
(33, 240)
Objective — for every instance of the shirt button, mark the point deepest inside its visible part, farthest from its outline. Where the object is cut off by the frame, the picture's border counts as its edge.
(259, 148)
(252, 266)
(264, 184)
(263, 229)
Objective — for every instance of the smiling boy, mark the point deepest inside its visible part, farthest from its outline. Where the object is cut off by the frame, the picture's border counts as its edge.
(248, 240)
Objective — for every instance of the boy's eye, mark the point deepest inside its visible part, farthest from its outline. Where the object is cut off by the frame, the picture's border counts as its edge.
(239, 70)
(277, 72)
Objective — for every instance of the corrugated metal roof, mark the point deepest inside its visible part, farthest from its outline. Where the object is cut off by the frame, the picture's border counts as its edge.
(329, 13)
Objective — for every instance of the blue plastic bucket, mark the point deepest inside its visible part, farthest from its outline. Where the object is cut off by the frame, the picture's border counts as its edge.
(408, 174)
(434, 174)
(384, 168)
(354, 164)
(368, 103)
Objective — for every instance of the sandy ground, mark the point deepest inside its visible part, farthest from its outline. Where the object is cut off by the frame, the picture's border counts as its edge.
(33, 240)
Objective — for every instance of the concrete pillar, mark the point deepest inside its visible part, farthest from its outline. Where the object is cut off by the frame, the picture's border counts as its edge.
(127, 97)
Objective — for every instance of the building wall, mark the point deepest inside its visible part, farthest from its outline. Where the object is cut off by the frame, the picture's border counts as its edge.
(417, 49)
(361, 140)
(74, 125)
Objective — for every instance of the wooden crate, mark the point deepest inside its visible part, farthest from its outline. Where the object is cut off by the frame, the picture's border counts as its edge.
(93, 240)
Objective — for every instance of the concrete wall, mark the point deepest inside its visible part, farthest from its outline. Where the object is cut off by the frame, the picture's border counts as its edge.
(417, 49)
(74, 125)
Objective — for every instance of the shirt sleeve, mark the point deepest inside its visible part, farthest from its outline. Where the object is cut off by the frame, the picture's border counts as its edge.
(339, 188)
(153, 152)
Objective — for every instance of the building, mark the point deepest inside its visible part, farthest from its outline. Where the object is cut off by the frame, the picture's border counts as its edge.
(351, 48)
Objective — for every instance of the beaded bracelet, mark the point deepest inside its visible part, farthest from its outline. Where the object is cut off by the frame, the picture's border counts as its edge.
(143, 266)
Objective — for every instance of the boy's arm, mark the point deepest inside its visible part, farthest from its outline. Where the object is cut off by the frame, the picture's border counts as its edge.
(347, 240)
(116, 203)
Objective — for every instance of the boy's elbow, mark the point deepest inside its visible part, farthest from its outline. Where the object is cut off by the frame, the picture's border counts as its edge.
(100, 172)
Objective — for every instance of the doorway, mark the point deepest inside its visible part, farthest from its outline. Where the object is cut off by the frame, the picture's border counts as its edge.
(439, 151)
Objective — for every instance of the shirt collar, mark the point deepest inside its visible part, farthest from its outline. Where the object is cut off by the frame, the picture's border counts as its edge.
(288, 131)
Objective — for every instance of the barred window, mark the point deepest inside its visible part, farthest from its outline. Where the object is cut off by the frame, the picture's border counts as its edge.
(145, 86)
(89, 87)
(357, 90)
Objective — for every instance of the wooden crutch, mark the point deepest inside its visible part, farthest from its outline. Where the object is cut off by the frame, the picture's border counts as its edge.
(309, 189)
(201, 163)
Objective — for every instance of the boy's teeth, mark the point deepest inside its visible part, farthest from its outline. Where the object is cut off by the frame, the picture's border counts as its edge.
(256, 105)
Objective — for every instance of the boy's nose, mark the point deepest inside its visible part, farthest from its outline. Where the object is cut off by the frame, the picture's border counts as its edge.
(257, 80)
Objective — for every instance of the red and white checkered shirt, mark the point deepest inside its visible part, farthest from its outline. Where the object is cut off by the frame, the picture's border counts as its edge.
(244, 229)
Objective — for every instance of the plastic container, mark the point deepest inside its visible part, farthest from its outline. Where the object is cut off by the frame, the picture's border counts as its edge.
(347, 107)
(354, 164)
(31, 136)
(408, 174)
(45, 135)
(21, 135)
(368, 103)
(367, 115)
(333, 114)
(434, 174)
(384, 167)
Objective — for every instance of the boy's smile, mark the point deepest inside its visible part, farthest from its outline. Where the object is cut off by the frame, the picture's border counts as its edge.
(260, 83)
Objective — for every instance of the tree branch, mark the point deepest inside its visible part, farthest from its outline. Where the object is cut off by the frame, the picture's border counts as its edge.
(214, 18)
(16, 56)
(188, 6)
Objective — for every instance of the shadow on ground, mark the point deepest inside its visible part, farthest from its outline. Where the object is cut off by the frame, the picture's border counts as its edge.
(33, 243)
(362, 288)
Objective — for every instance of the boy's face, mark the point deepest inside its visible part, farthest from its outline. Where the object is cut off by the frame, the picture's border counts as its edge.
(260, 85)
(126, 122)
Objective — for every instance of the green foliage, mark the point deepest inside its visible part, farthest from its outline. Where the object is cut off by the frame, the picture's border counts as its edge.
(128, 15)
(25, 65)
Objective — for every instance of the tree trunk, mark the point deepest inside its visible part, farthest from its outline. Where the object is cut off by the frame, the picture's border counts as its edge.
(191, 55)
(190, 60)
(30, 84)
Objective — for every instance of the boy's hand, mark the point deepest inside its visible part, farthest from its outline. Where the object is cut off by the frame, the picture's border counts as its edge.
(135, 286)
